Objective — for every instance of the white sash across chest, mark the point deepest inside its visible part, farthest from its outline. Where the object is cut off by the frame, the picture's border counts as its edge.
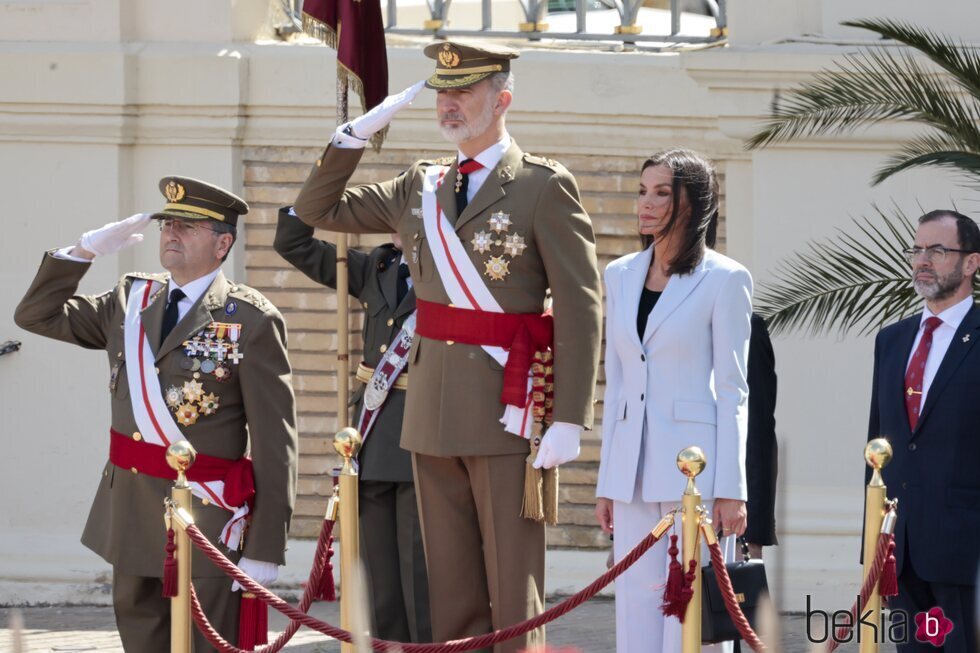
(464, 285)
(155, 421)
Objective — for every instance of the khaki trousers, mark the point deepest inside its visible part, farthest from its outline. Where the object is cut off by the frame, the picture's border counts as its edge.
(485, 562)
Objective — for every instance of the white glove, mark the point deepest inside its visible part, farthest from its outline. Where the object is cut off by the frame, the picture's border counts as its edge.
(263, 573)
(559, 445)
(366, 126)
(115, 236)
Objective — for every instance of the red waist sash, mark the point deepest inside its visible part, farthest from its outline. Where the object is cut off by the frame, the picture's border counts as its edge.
(521, 334)
(151, 459)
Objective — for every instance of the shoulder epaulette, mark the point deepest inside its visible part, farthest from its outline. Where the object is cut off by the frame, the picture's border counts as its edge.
(545, 162)
(250, 296)
(162, 277)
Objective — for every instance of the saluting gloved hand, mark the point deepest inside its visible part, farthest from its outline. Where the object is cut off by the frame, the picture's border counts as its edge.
(115, 236)
(559, 445)
(364, 127)
(263, 573)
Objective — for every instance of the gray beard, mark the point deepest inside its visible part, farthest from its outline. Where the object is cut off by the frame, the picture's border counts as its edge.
(943, 287)
(468, 132)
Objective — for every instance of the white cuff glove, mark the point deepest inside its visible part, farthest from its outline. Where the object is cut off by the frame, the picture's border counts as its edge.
(263, 573)
(364, 127)
(559, 445)
(115, 236)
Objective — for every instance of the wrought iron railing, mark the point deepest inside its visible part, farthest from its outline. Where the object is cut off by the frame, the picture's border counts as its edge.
(535, 26)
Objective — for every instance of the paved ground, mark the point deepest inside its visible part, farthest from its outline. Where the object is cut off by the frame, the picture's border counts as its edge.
(590, 628)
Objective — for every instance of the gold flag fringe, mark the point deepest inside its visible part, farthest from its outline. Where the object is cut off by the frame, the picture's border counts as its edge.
(323, 32)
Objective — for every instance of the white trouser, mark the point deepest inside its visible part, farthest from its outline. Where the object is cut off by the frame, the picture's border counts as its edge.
(640, 625)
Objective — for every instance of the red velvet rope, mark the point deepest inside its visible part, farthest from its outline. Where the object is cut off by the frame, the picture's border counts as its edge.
(870, 583)
(312, 586)
(728, 593)
(298, 617)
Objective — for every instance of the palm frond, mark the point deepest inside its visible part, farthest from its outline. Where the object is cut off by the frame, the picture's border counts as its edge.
(960, 60)
(868, 88)
(932, 150)
(849, 282)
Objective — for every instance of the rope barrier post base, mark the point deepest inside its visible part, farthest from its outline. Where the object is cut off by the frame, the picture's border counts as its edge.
(180, 456)
(347, 443)
(877, 453)
(691, 462)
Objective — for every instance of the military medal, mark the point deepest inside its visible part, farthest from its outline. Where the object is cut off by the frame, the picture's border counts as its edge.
(208, 365)
(114, 377)
(187, 414)
(193, 390)
(222, 372)
(514, 245)
(174, 397)
(209, 404)
(500, 221)
(481, 242)
(497, 268)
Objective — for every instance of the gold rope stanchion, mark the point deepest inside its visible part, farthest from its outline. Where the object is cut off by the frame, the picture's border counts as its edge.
(180, 456)
(347, 442)
(691, 462)
(877, 453)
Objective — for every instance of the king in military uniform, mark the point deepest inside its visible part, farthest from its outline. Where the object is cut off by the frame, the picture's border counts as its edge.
(391, 539)
(487, 233)
(192, 356)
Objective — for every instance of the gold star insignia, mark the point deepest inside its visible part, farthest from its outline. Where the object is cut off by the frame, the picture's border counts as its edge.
(187, 414)
(481, 242)
(209, 404)
(514, 245)
(500, 221)
(193, 391)
(497, 268)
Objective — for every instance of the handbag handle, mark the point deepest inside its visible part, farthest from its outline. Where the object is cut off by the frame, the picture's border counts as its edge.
(742, 543)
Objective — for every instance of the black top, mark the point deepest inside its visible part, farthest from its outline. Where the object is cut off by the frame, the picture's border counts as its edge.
(648, 299)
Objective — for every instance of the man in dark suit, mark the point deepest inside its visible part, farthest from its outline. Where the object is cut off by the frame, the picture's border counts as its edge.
(925, 401)
(391, 539)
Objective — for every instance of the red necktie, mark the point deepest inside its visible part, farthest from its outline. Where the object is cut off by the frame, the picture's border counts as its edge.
(917, 368)
(463, 181)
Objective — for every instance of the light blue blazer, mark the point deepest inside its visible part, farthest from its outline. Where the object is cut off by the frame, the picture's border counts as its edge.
(686, 379)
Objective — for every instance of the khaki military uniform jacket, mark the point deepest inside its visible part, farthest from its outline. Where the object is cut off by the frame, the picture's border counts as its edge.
(453, 406)
(372, 278)
(256, 409)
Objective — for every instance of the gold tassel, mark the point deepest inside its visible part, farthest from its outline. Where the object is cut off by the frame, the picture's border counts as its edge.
(550, 496)
(533, 507)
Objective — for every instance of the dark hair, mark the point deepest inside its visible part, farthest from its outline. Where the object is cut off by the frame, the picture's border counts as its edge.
(967, 232)
(225, 228)
(694, 174)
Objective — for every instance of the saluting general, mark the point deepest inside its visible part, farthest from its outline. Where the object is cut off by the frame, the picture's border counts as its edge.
(487, 232)
(192, 356)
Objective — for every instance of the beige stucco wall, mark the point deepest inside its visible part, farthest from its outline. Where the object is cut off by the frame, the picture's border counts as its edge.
(99, 99)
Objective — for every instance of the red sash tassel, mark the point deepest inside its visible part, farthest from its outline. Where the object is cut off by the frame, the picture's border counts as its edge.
(521, 334)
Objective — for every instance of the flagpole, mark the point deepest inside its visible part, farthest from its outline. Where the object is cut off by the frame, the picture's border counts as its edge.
(343, 309)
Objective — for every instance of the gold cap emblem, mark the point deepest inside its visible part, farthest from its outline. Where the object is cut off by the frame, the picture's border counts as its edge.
(449, 56)
(174, 191)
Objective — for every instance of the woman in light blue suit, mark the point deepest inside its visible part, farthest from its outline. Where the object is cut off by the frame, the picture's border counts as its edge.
(677, 338)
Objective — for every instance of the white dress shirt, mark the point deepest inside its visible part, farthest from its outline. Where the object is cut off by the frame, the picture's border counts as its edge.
(488, 158)
(941, 339)
(192, 292)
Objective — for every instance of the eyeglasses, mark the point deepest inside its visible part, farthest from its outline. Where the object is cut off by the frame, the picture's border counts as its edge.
(179, 226)
(934, 253)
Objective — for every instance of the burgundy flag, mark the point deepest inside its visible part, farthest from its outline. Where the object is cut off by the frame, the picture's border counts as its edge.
(356, 30)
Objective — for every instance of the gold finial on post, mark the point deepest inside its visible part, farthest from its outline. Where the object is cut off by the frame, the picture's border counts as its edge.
(347, 443)
(877, 453)
(180, 457)
(691, 461)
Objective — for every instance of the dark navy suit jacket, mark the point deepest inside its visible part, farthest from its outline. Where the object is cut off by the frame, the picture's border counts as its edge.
(935, 471)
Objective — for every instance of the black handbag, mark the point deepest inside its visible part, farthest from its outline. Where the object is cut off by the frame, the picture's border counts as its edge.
(748, 578)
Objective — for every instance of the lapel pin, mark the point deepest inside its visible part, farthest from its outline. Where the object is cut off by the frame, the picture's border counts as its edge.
(966, 338)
